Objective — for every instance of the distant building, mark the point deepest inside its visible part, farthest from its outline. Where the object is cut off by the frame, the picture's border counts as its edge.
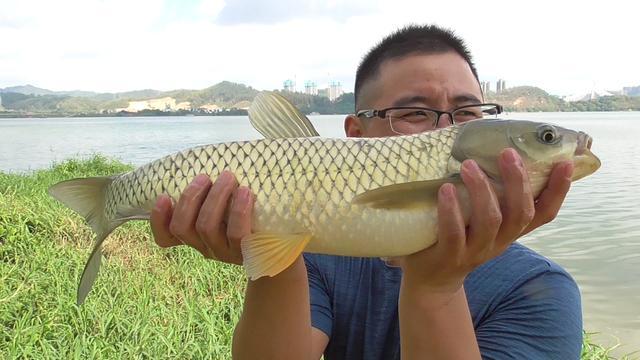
(1, 108)
(310, 88)
(335, 90)
(289, 85)
(323, 92)
(589, 96)
(501, 86)
(162, 104)
(485, 86)
(185, 105)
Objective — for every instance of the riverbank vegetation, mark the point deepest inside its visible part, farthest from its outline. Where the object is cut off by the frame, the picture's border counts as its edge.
(148, 302)
(227, 98)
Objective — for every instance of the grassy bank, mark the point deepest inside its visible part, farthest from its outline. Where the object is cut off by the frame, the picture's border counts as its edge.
(147, 302)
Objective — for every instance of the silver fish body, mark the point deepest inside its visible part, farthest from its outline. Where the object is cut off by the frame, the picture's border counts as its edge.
(354, 196)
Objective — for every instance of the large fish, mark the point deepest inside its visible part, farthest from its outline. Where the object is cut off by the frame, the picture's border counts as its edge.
(368, 197)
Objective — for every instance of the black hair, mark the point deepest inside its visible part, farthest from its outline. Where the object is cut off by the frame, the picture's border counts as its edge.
(412, 39)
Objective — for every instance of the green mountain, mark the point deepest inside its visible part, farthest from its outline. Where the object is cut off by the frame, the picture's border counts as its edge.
(529, 98)
(27, 90)
(224, 94)
(526, 98)
(33, 101)
(233, 98)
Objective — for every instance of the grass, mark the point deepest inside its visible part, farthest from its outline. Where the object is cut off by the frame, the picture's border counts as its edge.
(147, 302)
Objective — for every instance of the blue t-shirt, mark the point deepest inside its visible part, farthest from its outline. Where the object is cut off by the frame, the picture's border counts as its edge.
(523, 306)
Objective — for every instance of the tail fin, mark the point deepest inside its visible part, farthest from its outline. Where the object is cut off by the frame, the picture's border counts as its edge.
(87, 197)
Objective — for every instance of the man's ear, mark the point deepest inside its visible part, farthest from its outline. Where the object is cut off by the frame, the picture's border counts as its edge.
(353, 126)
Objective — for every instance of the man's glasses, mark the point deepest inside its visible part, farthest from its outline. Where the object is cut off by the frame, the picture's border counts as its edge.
(405, 120)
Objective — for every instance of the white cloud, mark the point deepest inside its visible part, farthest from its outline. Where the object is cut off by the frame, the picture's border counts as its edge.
(116, 45)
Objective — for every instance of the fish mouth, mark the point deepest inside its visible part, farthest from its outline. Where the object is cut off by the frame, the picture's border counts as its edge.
(585, 162)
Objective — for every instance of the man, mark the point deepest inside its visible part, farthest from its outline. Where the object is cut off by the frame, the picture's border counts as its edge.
(473, 294)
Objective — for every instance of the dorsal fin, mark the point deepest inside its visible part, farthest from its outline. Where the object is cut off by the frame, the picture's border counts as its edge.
(275, 117)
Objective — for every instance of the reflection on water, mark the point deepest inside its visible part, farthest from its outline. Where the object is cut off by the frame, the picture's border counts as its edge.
(596, 235)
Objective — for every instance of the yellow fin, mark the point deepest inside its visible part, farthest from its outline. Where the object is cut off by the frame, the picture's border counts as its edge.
(275, 117)
(405, 195)
(267, 254)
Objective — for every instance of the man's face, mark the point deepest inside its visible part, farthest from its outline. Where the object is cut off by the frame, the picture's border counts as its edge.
(437, 81)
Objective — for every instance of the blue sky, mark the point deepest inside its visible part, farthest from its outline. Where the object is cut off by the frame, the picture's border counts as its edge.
(564, 47)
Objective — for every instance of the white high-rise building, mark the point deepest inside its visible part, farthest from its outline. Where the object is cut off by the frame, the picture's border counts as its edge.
(335, 90)
(485, 86)
(310, 88)
(289, 85)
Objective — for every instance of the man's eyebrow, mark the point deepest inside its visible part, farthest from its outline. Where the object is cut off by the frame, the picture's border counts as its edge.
(466, 98)
(411, 100)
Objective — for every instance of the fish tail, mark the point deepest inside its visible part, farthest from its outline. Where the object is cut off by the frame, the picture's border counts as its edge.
(87, 197)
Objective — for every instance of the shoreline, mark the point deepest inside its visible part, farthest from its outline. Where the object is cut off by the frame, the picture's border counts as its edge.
(239, 113)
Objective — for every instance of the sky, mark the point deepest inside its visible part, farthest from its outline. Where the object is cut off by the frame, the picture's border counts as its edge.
(563, 46)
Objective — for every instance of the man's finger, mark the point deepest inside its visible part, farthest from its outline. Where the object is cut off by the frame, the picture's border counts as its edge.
(486, 217)
(210, 223)
(552, 197)
(186, 212)
(452, 233)
(240, 219)
(160, 219)
(517, 207)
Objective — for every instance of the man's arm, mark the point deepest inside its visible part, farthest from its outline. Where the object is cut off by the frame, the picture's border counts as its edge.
(434, 314)
(275, 323)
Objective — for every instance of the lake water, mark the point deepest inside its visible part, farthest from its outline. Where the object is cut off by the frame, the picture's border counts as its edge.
(596, 236)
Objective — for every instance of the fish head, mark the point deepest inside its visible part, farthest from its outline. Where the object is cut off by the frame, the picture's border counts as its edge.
(540, 146)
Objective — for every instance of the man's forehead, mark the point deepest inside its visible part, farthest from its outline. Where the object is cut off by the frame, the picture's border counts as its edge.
(419, 78)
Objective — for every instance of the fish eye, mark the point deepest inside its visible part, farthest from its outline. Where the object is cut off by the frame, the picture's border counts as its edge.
(547, 134)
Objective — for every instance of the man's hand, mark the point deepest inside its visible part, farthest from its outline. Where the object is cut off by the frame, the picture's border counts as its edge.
(433, 310)
(199, 219)
(443, 267)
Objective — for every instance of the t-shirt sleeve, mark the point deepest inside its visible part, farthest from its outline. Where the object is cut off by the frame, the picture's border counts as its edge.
(321, 314)
(540, 319)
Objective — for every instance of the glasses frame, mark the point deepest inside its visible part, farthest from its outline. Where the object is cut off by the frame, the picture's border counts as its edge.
(382, 113)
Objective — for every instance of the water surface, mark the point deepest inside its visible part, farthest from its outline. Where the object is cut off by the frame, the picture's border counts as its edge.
(596, 236)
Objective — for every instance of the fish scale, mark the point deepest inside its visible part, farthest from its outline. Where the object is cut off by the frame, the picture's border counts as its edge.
(322, 174)
(353, 197)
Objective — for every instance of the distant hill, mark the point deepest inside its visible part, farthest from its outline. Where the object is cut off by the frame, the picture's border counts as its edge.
(26, 90)
(220, 98)
(526, 98)
(233, 98)
(224, 94)
(529, 98)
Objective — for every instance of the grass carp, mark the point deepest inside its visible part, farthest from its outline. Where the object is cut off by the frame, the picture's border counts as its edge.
(367, 197)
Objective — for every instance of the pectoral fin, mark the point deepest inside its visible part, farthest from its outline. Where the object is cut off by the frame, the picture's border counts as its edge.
(275, 117)
(405, 195)
(267, 254)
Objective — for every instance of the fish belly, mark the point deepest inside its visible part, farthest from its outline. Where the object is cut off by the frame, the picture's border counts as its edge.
(371, 232)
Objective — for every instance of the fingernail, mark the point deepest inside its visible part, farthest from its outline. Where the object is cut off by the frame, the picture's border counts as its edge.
(224, 178)
(510, 156)
(201, 180)
(471, 166)
(447, 191)
(161, 202)
(242, 197)
(568, 170)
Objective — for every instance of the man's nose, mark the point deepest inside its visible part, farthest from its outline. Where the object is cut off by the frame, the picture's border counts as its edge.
(445, 120)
